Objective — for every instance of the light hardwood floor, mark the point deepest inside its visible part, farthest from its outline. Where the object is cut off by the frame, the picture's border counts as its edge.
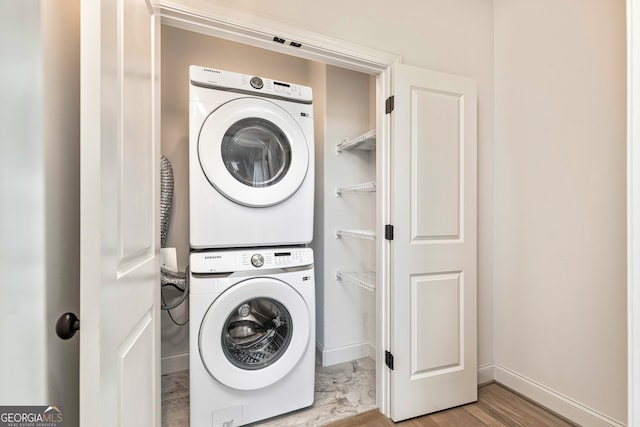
(344, 390)
(496, 406)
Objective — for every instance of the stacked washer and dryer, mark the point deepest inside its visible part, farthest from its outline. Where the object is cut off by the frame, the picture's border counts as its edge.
(252, 288)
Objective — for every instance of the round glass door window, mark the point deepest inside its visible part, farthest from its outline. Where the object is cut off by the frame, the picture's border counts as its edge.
(256, 152)
(256, 333)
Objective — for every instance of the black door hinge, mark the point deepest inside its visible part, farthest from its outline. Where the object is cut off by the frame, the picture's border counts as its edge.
(388, 359)
(389, 105)
(388, 232)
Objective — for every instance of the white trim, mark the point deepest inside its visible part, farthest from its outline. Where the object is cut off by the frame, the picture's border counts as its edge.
(383, 214)
(318, 353)
(633, 211)
(486, 374)
(175, 363)
(232, 24)
(553, 400)
(346, 353)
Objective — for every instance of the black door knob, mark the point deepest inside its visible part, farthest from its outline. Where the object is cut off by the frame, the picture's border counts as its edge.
(67, 326)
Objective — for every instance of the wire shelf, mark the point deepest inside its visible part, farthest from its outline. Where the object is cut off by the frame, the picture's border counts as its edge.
(366, 141)
(358, 234)
(363, 280)
(367, 187)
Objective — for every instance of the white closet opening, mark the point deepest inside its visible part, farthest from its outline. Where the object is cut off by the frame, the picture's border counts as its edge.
(345, 186)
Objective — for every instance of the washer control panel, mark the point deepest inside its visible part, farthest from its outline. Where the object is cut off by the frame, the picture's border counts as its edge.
(229, 261)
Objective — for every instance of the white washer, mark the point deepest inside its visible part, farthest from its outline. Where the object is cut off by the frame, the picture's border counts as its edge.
(252, 334)
(251, 161)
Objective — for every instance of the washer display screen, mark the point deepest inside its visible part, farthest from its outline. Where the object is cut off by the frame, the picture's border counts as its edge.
(256, 152)
(256, 333)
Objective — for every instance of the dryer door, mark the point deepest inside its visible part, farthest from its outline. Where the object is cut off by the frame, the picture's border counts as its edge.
(253, 152)
(254, 333)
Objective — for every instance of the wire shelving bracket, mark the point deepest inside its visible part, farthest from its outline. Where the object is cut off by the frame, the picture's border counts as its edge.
(366, 187)
(358, 234)
(366, 141)
(363, 280)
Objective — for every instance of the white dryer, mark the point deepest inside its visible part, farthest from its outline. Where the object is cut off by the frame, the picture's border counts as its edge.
(251, 161)
(252, 334)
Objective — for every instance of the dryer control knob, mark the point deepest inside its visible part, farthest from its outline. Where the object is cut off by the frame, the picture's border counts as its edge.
(256, 82)
(257, 260)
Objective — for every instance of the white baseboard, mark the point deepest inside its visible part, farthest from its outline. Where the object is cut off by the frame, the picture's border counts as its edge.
(174, 363)
(485, 373)
(542, 395)
(556, 402)
(318, 353)
(347, 353)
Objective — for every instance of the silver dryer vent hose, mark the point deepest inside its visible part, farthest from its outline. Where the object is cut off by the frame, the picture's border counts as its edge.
(168, 278)
(166, 198)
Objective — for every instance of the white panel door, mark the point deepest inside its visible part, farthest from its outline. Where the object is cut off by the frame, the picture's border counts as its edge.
(433, 254)
(119, 307)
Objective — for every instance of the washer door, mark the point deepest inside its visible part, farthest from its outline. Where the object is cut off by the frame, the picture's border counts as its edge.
(253, 152)
(254, 333)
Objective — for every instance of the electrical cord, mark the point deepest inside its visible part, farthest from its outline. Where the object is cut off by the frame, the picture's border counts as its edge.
(171, 316)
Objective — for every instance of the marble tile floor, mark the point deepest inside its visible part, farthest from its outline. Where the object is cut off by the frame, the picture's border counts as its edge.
(341, 391)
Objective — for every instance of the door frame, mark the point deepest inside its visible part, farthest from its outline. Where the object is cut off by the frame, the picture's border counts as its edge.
(633, 212)
(238, 26)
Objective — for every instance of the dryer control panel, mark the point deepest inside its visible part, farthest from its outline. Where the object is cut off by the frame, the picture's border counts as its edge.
(229, 261)
(244, 83)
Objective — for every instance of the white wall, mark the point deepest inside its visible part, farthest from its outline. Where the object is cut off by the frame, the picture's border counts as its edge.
(39, 202)
(318, 81)
(560, 236)
(23, 363)
(633, 194)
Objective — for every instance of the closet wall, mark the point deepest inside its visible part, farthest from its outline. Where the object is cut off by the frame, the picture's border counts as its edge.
(346, 311)
(350, 113)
